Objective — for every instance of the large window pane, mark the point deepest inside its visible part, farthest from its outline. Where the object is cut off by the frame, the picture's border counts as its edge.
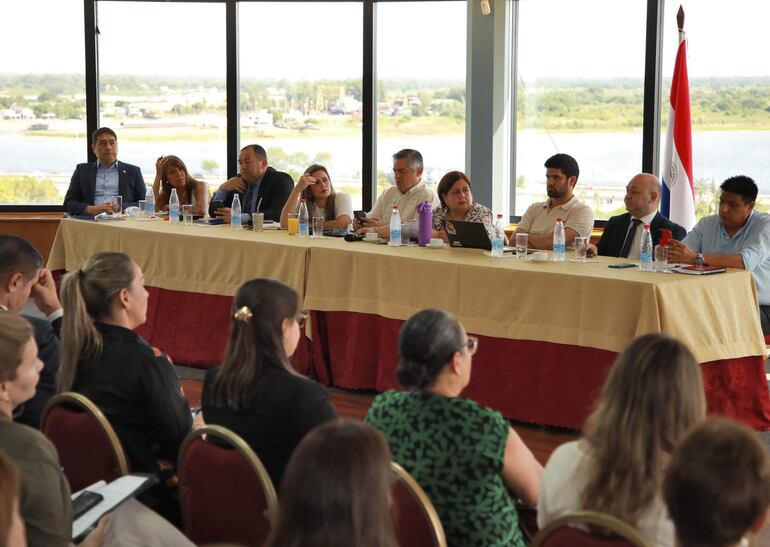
(162, 84)
(421, 86)
(729, 93)
(42, 100)
(580, 92)
(301, 66)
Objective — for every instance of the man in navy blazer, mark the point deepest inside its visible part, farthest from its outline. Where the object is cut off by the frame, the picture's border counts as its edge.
(622, 233)
(92, 182)
(256, 181)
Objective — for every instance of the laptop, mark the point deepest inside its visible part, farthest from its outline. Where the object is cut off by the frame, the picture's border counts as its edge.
(471, 235)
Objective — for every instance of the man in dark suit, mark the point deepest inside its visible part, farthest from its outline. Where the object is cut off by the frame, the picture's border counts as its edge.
(22, 275)
(255, 182)
(622, 233)
(93, 182)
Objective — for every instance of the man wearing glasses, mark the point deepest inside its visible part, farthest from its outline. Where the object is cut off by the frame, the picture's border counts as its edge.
(408, 192)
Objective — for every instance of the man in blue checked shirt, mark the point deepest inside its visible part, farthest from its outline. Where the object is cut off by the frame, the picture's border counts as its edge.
(737, 237)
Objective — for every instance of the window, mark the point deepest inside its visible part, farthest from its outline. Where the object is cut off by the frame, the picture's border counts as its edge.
(301, 66)
(42, 100)
(580, 92)
(729, 94)
(421, 86)
(162, 84)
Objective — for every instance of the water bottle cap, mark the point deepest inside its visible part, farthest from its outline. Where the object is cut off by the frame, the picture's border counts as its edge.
(395, 207)
(559, 219)
(303, 200)
(500, 215)
(647, 226)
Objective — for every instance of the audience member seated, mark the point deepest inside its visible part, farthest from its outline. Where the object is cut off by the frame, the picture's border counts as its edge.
(22, 275)
(93, 183)
(408, 192)
(465, 456)
(316, 188)
(561, 175)
(456, 197)
(622, 234)
(737, 237)
(256, 392)
(102, 358)
(171, 173)
(12, 532)
(652, 397)
(336, 490)
(45, 495)
(717, 486)
(256, 182)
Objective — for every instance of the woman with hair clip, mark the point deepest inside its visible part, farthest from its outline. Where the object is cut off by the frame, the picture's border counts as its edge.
(102, 358)
(315, 187)
(653, 396)
(467, 457)
(171, 173)
(256, 392)
(336, 490)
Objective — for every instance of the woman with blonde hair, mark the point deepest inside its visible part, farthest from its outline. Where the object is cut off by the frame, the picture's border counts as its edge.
(315, 187)
(171, 173)
(653, 396)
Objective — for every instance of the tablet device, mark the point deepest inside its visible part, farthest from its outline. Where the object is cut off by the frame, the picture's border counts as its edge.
(472, 235)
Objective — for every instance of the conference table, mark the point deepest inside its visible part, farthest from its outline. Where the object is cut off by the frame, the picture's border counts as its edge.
(548, 331)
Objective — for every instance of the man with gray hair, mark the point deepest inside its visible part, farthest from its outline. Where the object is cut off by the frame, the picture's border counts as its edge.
(622, 234)
(408, 192)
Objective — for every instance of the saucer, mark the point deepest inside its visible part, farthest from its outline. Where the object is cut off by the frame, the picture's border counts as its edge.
(435, 246)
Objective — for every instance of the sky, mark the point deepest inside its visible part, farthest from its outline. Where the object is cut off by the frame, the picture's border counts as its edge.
(422, 39)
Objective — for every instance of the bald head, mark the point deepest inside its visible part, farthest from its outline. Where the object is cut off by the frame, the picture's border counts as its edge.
(642, 195)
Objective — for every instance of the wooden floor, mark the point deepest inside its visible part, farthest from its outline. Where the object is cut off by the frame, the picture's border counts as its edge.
(354, 405)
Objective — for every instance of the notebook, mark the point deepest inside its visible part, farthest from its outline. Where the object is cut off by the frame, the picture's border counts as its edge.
(471, 235)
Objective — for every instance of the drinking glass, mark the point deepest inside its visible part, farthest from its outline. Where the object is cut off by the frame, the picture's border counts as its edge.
(581, 244)
(318, 227)
(117, 205)
(142, 208)
(661, 258)
(187, 215)
(522, 240)
(293, 224)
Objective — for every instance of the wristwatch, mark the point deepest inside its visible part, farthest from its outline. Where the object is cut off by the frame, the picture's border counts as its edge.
(699, 260)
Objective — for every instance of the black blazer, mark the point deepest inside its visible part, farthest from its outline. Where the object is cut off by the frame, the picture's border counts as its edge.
(274, 190)
(47, 339)
(82, 188)
(615, 231)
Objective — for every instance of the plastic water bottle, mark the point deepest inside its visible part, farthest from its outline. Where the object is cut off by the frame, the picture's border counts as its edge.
(498, 240)
(559, 241)
(150, 206)
(304, 221)
(173, 206)
(235, 213)
(645, 250)
(395, 227)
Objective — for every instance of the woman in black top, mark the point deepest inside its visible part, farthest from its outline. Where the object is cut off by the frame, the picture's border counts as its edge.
(103, 359)
(256, 392)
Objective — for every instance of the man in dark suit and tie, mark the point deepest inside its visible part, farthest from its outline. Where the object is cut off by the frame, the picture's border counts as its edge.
(256, 181)
(22, 275)
(92, 183)
(622, 233)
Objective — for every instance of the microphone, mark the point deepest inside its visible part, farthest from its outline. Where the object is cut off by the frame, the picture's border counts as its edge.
(353, 237)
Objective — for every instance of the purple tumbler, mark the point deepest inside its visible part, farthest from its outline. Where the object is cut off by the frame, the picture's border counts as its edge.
(425, 226)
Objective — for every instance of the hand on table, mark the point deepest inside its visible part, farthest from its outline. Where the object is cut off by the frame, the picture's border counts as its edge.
(225, 213)
(591, 250)
(93, 210)
(681, 253)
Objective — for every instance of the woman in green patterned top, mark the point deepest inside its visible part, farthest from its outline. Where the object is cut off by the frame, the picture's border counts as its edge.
(466, 456)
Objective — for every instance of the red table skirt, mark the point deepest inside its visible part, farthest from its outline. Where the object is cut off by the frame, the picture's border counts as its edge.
(539, 382)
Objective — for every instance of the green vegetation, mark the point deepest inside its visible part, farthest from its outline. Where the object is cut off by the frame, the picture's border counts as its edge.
(25, 190)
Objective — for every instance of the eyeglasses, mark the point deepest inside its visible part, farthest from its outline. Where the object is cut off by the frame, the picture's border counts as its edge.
(301, 318)
(472, 344)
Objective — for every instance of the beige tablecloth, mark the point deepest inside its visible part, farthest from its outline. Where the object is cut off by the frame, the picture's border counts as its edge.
(581, 304)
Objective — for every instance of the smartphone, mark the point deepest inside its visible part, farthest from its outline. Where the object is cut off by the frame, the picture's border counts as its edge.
(84, 502)
(623, 265)
(213, 206)
(359, 215)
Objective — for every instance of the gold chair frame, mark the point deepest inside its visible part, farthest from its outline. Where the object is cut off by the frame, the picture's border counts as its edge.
(84, 403)
(234, 440)
(426, 506)
(593, 518)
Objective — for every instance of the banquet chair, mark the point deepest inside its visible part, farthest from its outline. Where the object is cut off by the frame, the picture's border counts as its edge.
(562, 532)
(89, 449)
(417, 522)
(225, 493)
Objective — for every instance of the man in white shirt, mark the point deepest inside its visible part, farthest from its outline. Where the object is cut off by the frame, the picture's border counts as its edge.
(408, 192)
(561, 173)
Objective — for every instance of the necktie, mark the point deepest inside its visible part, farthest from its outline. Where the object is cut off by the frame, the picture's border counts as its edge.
(248, 197)
(629, 237)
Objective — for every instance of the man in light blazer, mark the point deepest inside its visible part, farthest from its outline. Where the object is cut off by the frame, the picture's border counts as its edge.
(93, 182)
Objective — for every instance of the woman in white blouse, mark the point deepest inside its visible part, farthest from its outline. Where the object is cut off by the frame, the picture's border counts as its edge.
(315, 187)
(653, 396)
